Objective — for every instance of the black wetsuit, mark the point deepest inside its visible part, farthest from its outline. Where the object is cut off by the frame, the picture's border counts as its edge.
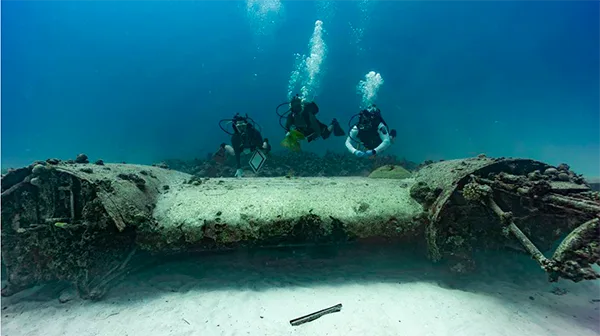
(303, 117)
(249, 139)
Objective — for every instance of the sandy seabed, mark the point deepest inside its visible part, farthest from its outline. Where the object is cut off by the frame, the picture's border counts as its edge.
(384, 291)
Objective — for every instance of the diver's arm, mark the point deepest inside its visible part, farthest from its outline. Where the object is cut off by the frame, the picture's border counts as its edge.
(258, 139)
(384, 135)
(289, 122)
(229, 150)
(266, 146)
(352, 135)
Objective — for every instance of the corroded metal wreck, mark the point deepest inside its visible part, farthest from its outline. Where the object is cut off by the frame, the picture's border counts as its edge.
(86, 223)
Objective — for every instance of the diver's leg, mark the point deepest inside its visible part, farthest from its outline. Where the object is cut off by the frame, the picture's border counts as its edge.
(236, 143)
(315, 127)
(312, 136)
(239, 172)
(238, 159)
(325, 130)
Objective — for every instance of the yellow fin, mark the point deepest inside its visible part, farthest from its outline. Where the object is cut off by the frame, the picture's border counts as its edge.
(291, 143)
(297, 135)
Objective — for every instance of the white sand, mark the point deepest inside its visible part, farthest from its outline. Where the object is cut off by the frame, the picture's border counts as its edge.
(381, 293)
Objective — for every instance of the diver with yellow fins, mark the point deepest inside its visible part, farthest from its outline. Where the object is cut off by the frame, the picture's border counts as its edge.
(245, 138)
(301, 123)
(370, 135)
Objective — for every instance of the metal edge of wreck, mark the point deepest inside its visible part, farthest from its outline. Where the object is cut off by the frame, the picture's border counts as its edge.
(547, 203)
(62, 222)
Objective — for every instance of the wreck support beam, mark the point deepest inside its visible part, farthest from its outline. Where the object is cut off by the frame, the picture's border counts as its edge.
(505, 217)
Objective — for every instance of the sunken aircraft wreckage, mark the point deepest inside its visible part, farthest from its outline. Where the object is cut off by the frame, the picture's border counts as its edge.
(86, 224)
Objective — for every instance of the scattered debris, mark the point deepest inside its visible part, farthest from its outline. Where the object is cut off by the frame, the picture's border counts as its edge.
(109, 315)
(67, 295)
(195, 180)
(558, 291)
(311, 317)
(38, 169)
(82, 158)
(161, 165)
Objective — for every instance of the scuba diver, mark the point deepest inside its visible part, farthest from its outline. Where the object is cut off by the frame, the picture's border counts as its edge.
(371, 133)
(301, 123)
(246, 138)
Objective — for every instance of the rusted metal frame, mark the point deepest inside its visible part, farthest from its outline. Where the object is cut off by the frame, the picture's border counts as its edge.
(506, 218)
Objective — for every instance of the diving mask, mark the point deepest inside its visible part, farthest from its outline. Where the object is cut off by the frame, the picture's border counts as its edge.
(241, 126)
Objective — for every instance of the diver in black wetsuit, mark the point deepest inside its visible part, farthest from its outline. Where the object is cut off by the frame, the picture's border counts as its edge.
(301, 117)
(246, 138)
(371, 135)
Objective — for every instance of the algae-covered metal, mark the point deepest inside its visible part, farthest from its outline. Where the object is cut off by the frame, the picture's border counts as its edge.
(538, 203)
(74, 222)
(83, 223)
(89, 224)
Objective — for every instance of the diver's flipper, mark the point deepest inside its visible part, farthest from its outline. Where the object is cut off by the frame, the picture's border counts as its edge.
(290, 144)
(297, 135)
(337, 129)
(292, 140)
(312, 137)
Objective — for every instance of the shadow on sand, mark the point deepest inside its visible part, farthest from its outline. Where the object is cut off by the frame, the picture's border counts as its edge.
(505, 276)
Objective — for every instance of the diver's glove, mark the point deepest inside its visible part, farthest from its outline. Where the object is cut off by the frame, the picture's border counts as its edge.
(359, 153)
(370, 153)
(239, 173)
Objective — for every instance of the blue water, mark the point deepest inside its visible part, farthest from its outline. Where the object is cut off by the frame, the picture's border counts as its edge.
(142, 81)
